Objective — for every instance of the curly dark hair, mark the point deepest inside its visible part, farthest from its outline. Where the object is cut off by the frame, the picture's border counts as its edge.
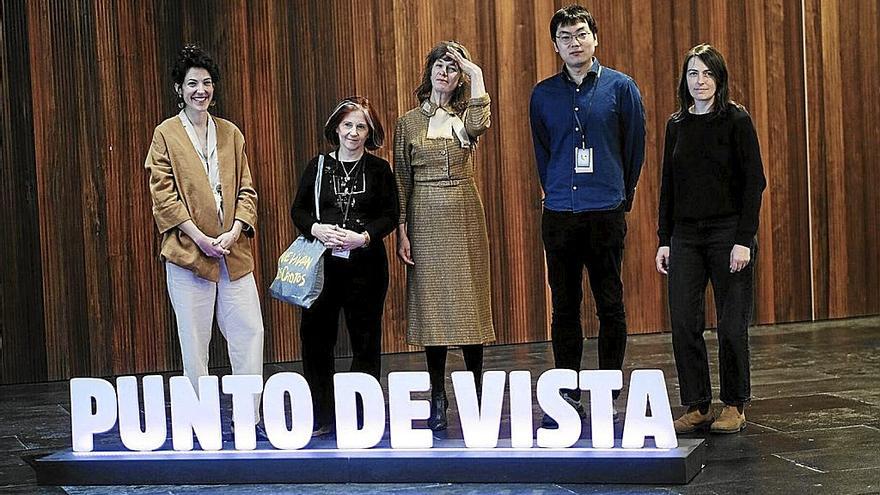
(193, 55)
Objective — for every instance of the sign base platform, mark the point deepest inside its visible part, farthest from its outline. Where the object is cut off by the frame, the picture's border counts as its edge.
(449, 461)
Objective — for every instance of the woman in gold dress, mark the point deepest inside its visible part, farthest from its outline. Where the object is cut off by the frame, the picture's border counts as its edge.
(442, 233)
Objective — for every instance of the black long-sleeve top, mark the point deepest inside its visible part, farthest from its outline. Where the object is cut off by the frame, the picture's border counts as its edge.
(373, 194)
(711, 168)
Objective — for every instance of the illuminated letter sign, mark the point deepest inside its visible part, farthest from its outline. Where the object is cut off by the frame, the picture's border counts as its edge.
(96, 406)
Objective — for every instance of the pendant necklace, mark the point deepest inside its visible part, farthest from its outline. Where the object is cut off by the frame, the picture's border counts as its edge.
(348, 173)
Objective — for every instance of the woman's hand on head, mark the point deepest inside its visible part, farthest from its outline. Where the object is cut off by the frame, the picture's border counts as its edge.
(469, 68)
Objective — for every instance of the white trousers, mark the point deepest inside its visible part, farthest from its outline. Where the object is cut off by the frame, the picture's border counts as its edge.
(237, 306)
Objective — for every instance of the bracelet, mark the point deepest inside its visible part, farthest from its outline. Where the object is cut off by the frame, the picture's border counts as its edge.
(367, 237)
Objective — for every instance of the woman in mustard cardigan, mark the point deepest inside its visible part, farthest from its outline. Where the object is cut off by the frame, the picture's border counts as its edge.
(203, 201)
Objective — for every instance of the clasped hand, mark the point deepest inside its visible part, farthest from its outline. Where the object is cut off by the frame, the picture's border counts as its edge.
(337, 238)
(219, 246)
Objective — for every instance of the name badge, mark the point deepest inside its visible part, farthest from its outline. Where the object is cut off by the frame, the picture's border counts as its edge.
(339, 253)
(583, 160)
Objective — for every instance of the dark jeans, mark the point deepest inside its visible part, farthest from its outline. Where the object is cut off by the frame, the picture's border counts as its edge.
(591, 240)
(700, 252)
(358, 287)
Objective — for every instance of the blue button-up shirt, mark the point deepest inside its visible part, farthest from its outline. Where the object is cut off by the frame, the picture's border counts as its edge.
(614, 127)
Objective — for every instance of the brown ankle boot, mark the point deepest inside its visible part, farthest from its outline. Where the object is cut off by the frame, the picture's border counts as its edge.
(693, 420)
(730, 421)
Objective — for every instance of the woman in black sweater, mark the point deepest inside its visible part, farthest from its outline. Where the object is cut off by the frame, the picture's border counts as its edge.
(359, 207)
(710, 198)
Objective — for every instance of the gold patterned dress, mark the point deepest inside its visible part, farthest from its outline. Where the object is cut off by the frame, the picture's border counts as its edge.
(448, 289)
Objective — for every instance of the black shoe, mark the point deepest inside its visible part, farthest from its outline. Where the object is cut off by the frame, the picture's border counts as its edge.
(439, 404)
(548, 422)
(323, 429)
(259, 430)
(576, 404)
(262, 436)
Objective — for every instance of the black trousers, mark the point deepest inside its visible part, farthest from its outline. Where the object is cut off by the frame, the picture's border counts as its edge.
(699, 253)
(595, 241)
(356, 286)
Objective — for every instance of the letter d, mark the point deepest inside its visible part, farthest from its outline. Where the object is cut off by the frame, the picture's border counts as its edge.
(83, 423)
(347, 387)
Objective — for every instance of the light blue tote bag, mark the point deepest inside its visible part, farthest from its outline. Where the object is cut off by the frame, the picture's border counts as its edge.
(300, 276)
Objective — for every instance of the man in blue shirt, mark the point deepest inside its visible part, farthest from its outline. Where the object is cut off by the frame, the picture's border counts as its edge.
(588, 128)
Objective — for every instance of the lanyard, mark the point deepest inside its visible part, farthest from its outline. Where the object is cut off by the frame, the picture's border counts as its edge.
(589, 110)
(349, 187)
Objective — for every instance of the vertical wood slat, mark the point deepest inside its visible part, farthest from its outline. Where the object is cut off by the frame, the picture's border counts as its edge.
(61, 122)
(138, 303)
(99, 83)
(842, 104)
(511, 189)
(22, 336)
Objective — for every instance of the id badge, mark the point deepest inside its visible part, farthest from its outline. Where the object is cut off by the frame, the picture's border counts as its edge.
(583, 160)
(340, 253)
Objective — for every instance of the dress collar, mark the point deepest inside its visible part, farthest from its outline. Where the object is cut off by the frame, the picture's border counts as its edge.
(429, 108)
(594, 70)
(191, 132)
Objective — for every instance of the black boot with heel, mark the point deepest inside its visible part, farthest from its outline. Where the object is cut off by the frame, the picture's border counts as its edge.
(439, 404)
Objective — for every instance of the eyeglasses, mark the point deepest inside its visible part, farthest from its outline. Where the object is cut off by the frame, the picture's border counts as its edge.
(567, 39)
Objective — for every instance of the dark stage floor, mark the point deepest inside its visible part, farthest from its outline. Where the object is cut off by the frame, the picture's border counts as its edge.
(814, 425)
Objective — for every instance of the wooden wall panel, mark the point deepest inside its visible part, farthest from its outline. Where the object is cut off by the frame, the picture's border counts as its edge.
(89, 80)
(508, 178)
(22, 339)
(68, 167)
(774, 45)
(140, 312)
(842, 48)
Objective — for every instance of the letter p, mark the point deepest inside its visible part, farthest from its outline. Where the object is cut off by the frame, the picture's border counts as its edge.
(84, 422)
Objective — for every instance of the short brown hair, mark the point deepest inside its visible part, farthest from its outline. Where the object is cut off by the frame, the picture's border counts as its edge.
(375, 139)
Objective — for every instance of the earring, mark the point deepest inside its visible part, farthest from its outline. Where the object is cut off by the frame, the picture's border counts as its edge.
(180, 103)
(213, 102)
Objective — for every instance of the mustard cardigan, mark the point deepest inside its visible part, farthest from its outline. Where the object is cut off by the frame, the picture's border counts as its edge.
(181, 191)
